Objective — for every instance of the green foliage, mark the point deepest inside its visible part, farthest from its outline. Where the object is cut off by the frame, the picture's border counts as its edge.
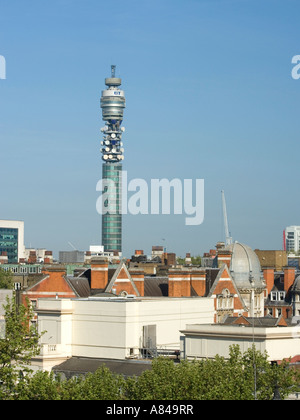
(100, 385)
(40, 386)
(235, 379)
(242, 377)
(6, 279)
(19, 344)
(194, 260)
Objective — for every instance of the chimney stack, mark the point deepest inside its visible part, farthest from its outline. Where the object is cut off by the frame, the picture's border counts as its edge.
(99, 273)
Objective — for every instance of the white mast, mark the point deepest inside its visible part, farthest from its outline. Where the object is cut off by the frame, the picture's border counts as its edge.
(228, 240)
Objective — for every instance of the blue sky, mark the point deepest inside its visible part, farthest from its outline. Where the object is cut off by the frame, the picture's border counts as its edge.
(209, 95)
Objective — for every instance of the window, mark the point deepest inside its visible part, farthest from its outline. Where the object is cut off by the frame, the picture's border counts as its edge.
(33, 323)
(9, 243)
(225, 300)
(279, 296)
(33, 304)
(273, 296)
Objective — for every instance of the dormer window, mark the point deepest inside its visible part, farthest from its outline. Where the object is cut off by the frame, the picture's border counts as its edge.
(278, 296)
(281, 295)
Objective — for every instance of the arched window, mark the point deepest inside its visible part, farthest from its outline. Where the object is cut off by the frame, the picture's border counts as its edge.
(225, 300)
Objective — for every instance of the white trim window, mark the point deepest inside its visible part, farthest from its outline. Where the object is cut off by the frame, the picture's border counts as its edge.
(278, 296)
(225, 300)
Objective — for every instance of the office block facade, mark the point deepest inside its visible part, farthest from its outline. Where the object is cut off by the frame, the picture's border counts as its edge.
(12, 240)
(292, 238)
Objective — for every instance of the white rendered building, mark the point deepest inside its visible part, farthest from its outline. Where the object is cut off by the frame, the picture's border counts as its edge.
(292, 238)
(206, 341)
(114, 328)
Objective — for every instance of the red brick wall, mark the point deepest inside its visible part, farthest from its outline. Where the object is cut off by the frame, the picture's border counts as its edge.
(289, 277)
(198, 282)
(138, 279)
(99, 275)
(225, 282)
(123, 283)
(53, 285)
(269, 278)
(124, 286)
(179, 284)
(286, 312)
(224, 257)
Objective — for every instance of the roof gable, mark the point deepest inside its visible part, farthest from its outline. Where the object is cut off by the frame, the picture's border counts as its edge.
(281, 322)
(265, 321)
(241, 320)
(122, 281)
(52, 283)
(225, 280)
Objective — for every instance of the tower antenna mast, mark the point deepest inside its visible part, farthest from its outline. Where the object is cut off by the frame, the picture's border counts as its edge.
(228, 238)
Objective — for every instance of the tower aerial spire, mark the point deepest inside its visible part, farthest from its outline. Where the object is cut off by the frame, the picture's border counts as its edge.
(113, 70)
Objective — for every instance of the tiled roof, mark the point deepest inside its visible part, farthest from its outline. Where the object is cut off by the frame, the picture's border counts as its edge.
(156, 286)
(84, 365)
(80, 285)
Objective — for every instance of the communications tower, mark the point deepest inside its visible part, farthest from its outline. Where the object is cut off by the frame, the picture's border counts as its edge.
(112, 104)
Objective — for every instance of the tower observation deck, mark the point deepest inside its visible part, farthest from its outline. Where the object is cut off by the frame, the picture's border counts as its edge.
(112, 104)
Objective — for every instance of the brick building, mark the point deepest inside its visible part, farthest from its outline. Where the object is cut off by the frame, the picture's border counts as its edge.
(235, 283)
(283, 292)
(272, 258)
(101, 278)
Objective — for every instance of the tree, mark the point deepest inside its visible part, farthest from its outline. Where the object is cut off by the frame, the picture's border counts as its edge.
(196, 260)
(41, 386)
(6, 279)
(245, 376)
(19, 344)
(100, 385)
